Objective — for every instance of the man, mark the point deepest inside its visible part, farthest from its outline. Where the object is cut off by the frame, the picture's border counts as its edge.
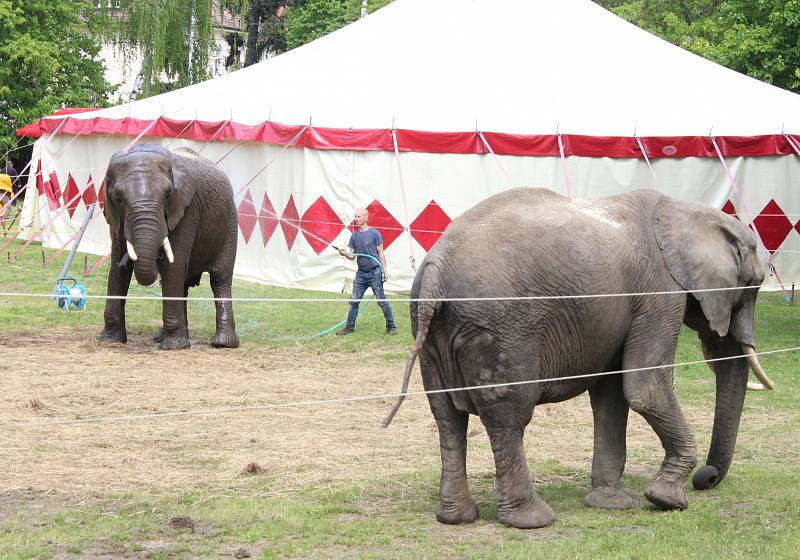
(6, 193)
(15, 180)
(366, 244)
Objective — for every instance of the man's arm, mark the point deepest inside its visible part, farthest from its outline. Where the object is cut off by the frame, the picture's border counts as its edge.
(382, 257)
(346, 254)
(349, 251)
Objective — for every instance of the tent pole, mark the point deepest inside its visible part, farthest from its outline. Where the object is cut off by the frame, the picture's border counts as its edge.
(411, 258)
(214, 136)
(496, 159)
(646, 159)
(564, 166)
(792, 144)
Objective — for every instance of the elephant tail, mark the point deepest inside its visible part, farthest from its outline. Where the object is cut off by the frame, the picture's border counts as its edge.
(426, 310)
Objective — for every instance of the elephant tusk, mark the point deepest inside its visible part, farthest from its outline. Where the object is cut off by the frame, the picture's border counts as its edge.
(168, 250)
(131, 252)
(752, 361)
(755, 386)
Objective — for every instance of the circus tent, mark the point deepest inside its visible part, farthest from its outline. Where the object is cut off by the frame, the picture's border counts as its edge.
(426, 107)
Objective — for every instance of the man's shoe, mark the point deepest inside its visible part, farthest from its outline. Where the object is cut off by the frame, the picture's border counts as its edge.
(391, 331)
(344, 332)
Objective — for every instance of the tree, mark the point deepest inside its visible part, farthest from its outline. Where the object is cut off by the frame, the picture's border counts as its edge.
(275, 26)
(758, 38)
(48, 59)
(173, 37)
(315, 18)
(265, 29)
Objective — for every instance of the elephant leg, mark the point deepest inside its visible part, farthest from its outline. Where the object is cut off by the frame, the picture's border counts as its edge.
(159, 335)
(610, 410)
(225, 335)
(175, 331)
(518, 504)
(455, 503)
(484, 359)
(119, 280)
(650, 393)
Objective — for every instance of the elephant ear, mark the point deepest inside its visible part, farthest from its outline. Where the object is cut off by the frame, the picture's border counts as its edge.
(183, 190)
(703, 249)
(110, 208)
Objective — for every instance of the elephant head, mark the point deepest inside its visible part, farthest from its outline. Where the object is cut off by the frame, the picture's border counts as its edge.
(705, 249)
(147, 192)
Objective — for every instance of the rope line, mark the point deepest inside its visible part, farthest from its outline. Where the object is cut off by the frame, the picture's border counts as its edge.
(434, 300)
(343, 400)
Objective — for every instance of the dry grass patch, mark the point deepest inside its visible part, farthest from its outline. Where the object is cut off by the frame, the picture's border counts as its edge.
(65, 375)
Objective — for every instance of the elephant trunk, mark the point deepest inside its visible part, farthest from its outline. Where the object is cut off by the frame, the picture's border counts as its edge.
(731, 376)
(145, 231)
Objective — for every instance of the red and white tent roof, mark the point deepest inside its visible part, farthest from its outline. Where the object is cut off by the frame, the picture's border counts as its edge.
(439, 70)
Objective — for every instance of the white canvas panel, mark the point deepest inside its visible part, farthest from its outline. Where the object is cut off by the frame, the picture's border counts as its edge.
(338, 182)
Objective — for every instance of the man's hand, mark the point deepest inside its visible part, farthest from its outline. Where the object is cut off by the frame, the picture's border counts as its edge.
(343, 251)
(384, 277)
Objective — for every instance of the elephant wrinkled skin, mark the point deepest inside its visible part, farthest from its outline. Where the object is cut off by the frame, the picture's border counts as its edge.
(173, 214)
(537, 244)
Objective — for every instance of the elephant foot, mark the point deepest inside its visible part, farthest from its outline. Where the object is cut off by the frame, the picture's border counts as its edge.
(225, 338)
(456, 513)
(175, 342)
(608, 498)
(113, 335)
(667, 494)
(533, 514)
(159, 336)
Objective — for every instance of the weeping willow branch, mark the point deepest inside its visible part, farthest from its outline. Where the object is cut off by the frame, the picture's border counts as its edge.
(174, 38)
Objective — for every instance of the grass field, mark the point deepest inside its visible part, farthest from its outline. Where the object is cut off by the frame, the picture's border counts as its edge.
(327, 481)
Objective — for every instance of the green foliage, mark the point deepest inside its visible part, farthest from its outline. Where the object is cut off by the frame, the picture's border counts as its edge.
(316, 18)
(48, 59)
(174, 37)
(758, 38)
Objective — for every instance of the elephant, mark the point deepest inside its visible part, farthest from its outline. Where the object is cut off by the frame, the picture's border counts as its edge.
(170, 213)
(660, 257)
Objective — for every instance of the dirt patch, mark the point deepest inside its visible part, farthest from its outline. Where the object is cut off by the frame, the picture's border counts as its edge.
(65, 375)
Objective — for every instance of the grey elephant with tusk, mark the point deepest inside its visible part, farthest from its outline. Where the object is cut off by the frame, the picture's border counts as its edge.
(536, 245)
(173, 214)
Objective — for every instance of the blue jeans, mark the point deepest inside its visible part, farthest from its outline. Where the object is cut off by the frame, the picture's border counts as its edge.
(364, 280)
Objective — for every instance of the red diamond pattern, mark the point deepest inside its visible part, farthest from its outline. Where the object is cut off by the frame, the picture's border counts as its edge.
(89, 195)
(52, 191)
(729, 208)
(429, 225)
(383, 221)
(320, 225)
(101, 195)
(246, 216)
(772, 225)
(267, 219)
(39, 180)
(290, 222)
(71, 195)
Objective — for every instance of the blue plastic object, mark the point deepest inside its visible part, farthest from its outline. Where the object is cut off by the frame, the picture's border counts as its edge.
(66, 295)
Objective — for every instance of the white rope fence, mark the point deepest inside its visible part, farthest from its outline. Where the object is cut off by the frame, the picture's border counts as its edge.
(345, 400)
(406, 300)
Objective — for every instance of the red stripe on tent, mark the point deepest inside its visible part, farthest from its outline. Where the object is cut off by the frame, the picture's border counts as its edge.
(322, 138)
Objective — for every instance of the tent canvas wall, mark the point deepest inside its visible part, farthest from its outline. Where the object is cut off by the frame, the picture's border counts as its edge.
(423, 109)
